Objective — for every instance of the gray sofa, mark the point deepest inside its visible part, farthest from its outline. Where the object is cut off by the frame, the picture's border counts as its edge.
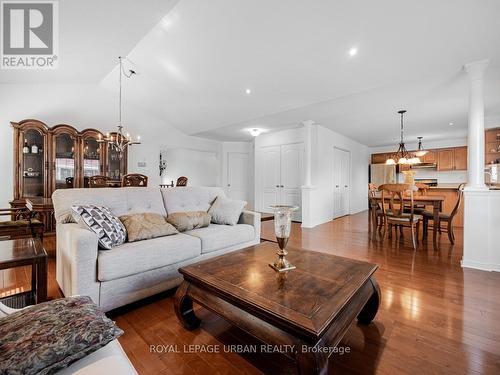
(136, 270)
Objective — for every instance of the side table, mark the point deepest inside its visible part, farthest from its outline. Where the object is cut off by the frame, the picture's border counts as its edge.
(23, 252)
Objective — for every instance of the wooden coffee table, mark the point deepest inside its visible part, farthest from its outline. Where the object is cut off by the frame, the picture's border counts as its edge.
(310, 307)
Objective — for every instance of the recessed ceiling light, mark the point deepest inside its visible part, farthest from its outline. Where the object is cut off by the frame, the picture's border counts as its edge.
(353, 51)
(255, 132)
(248, 91)
(451, 124)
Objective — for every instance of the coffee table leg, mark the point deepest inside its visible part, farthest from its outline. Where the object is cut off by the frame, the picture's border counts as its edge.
(311, 363)
(370, 309)
(183, 305)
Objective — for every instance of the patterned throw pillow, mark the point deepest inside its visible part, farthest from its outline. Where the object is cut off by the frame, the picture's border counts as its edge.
(45, 338)
(226, 211)
(146, 226)
(183, 221)
(109, 229)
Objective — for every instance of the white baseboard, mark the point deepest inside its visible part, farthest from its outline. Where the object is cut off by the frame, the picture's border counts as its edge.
(480, 265)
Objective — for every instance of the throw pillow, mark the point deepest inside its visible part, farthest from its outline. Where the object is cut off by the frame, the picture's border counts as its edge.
(183, 221)
(146, 226)
(226, 211)
(109, 229)
(45, 338)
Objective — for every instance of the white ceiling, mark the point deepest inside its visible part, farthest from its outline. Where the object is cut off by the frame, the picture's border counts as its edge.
(196, 62)
(92, 34)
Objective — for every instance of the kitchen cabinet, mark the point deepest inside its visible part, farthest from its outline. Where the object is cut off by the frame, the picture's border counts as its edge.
(445, 159)
(430, 157)
(380, 158)
(460, 158)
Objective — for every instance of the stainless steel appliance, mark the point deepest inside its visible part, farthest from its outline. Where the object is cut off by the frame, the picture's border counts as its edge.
(424, 166)
(492, 176)
(427, 181)
(383, 174)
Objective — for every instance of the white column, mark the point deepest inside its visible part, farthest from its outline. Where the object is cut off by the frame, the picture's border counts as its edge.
(308, 152)
(308, 189)
(475, 135)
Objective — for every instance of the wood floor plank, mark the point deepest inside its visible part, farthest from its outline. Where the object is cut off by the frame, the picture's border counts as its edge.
(435, 316)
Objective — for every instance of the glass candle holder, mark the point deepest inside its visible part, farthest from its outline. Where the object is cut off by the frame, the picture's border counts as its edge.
(282, 227)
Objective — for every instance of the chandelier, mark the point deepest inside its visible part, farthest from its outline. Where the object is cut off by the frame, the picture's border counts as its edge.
(120, 141)
(420, 150)
(402, 155)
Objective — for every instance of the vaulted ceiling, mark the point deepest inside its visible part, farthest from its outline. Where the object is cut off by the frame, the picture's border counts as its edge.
(198, 58)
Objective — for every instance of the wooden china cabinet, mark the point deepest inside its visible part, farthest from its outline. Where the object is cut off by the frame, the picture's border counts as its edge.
(60, 157)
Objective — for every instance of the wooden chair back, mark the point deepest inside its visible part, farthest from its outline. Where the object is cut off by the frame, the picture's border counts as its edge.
(70, 182)
(182, 181)
(135, 179)
(98, 181)
(460, 196)
(392, 200)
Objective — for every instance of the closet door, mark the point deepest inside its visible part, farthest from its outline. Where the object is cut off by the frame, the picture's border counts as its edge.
(270, 165)
(292, 158)
(341, 178)
(237, 175)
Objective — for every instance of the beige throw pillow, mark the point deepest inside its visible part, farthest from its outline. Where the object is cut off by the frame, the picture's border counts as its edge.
(226, 211)
(184, 221)
(145, 226)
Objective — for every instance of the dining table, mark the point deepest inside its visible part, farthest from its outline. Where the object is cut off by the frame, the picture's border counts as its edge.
(428, 200)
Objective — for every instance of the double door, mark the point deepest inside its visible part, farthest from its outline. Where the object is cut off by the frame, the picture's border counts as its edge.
(341, 184)
(282, 176)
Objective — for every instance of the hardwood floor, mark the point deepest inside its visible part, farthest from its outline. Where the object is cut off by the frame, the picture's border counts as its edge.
(435, 317)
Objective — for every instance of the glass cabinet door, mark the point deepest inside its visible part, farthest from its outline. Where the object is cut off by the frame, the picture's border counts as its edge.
(92, 159)
(64, 171)
(32, 164)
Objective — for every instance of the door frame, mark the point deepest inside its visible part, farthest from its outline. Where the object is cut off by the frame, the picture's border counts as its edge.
(333, 181)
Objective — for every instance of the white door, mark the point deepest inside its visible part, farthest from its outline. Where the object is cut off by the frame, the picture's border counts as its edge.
(341, 178)
(270, 166)
(237, 175)
(292, 158)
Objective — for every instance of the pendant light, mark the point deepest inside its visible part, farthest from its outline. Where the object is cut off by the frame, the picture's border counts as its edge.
(120, 141)
(420, 150)
(402, 155)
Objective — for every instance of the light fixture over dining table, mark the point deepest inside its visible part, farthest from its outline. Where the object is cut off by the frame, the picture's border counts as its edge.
(402, 155)
(120, 141)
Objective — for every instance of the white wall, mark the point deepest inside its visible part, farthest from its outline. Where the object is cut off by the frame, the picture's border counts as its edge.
(87, 106)
(323, 177)
(324, 141)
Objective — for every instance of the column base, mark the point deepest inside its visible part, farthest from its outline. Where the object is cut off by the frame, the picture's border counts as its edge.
(307, 207)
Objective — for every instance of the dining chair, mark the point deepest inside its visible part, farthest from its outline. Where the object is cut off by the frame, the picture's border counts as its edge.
(393, 197)
(98, 181)
(182, 181)
(422, 189)
(135, 179)
(448, 218)
(376, 213)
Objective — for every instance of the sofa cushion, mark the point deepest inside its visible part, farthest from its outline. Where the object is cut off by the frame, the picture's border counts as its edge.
(189, 198)
(226, 211)
(146, 226)
(219, 236)
(109, 229)
(136, 257)
(183, 221)
(47, 337)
